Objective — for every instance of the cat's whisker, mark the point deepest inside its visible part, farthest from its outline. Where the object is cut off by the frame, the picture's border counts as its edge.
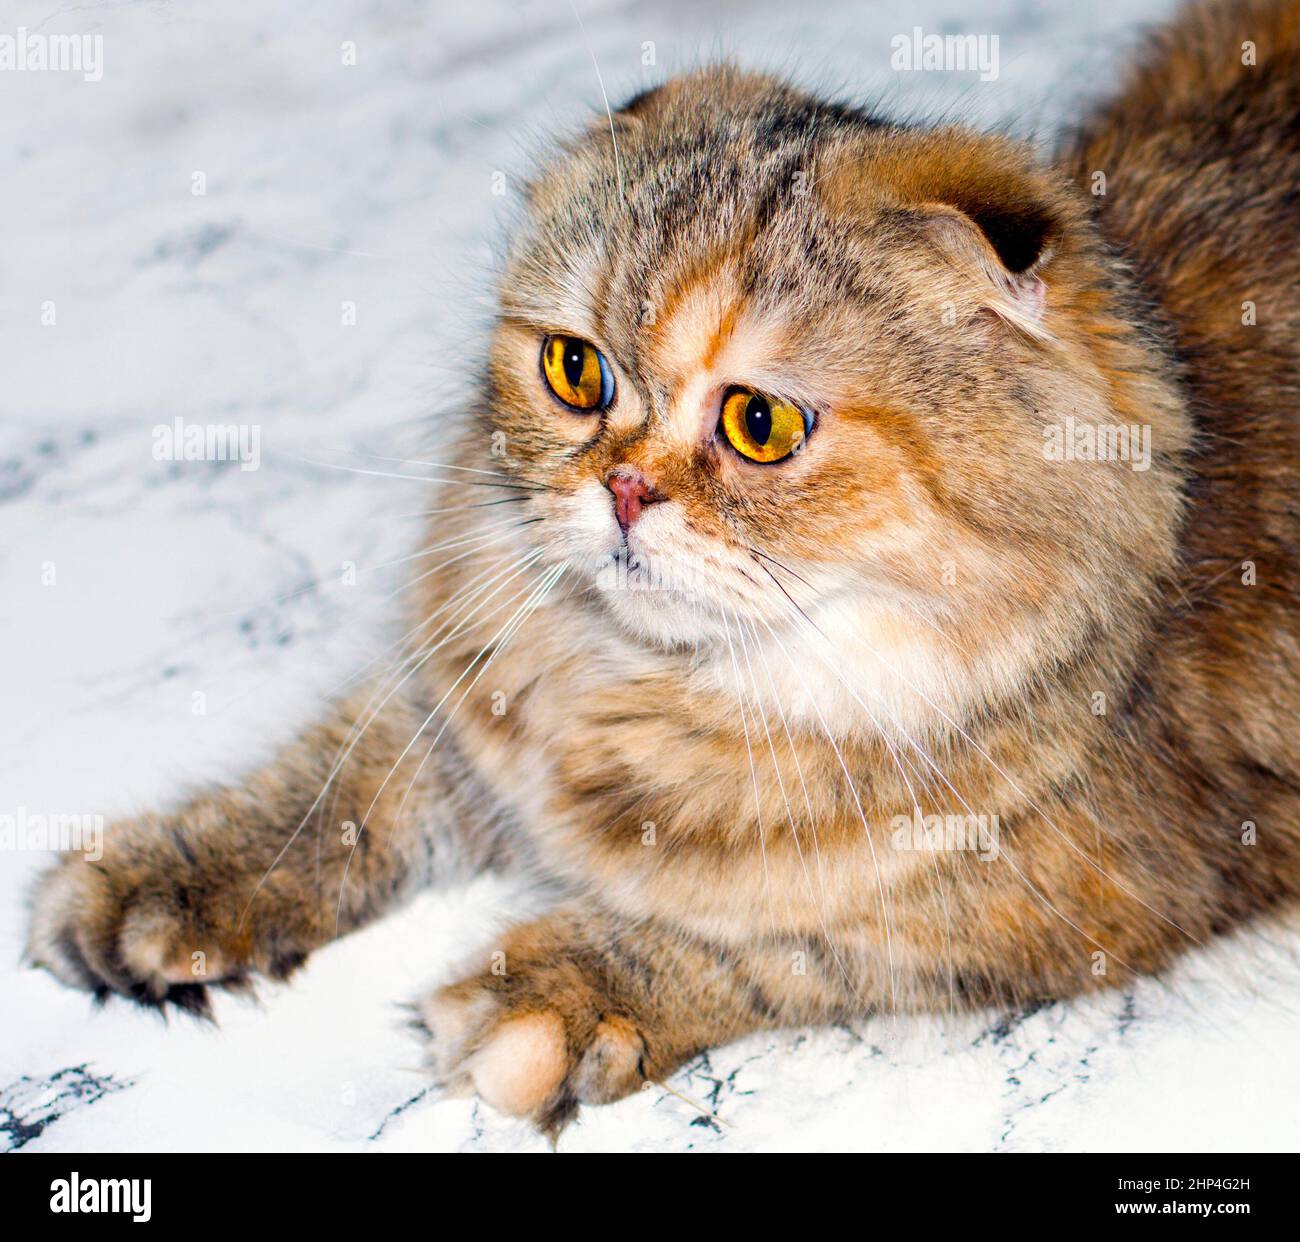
(789, 810)
(1030, 801)
(462, 600)
(315, 583)
(884, 736)
(812, 823)
(898, 761)
(498, 645)
(538, 592)
(753, 771)
(482, 504)
(384, 682)
(495, 645)
(779, 564)
(361, 827)
(1002, 850)
(386, 691)
(435, 465)
(459, 542)
(522, 485)
(384, 678)
(339, 763)
(686, 1099)
(894, 754)
(455, 560)
(613, 137)
(982, 753)
(458, 603)
(866, 827)
(484, 547)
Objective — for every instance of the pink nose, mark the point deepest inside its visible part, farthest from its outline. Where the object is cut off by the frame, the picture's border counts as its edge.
(631, 494)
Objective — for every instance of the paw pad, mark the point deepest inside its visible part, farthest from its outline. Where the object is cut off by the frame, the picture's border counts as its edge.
(522, 1064)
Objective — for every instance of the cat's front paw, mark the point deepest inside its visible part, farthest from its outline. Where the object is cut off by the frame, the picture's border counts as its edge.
(143, 923)
(93, 931)
(534, 1046)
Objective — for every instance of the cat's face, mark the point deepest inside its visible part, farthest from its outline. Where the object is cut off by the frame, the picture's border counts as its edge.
(779, 367)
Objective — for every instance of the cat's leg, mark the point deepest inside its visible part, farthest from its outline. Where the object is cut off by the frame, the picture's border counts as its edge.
(583, 1007)
(250, 879)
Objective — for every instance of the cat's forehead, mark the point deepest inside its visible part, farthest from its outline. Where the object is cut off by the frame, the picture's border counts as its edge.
(696, 157)
(668, 201)
(705, 226)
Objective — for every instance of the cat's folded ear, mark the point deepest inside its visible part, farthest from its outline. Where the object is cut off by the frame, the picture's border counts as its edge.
(643, 102)
(982, 203)
(1005, 250)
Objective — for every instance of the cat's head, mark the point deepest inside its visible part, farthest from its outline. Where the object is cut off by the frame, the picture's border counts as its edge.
(781, 366)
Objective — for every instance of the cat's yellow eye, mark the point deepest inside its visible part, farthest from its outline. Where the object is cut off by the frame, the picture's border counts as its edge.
(762, 428)
(577, 373)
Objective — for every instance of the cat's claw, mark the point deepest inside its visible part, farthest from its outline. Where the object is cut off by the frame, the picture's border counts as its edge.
(114, 936)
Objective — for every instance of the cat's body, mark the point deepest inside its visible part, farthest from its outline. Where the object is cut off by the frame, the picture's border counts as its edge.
(918, 613)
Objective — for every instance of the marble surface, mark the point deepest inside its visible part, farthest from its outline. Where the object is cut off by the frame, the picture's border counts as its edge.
(372, 184)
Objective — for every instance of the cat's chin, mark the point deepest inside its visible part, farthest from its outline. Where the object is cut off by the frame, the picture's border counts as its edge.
(661, 616)
(657, 600)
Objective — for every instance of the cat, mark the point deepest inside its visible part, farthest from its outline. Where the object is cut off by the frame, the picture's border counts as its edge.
(871, 586)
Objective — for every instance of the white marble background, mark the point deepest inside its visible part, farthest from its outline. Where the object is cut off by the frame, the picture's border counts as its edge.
(371, 183)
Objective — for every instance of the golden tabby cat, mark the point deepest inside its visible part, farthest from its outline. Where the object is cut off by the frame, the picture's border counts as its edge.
(883, 594)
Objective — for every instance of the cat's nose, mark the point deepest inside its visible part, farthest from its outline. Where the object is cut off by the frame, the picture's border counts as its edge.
(632, 492)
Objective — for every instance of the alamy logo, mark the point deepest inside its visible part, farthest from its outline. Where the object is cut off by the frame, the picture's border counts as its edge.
(626, 571)
(30, 830)
(1073, 441)
(182, 441)
(103, 1194)
(938, 834)
(28, 52)
(960, 53)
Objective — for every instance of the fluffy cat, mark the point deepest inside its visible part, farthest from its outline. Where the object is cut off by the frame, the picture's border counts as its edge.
(850, 475)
